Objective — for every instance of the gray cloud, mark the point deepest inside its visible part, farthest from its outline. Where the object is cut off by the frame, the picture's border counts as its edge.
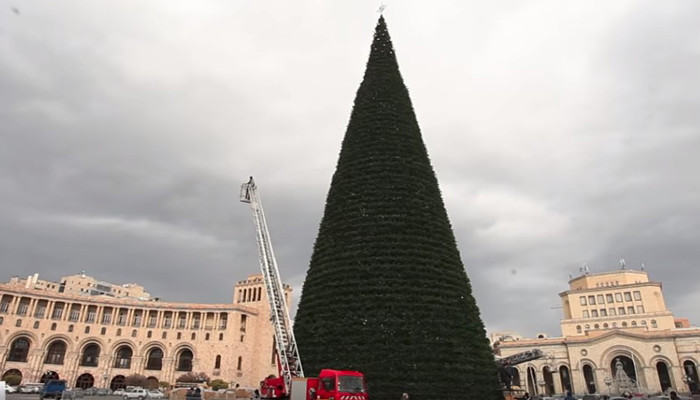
(560, 133)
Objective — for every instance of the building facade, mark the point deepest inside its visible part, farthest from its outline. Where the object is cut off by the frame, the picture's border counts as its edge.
(617, 336)
(92, 339)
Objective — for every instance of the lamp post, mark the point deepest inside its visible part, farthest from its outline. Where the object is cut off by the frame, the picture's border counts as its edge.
(688, 381)
(608, 382)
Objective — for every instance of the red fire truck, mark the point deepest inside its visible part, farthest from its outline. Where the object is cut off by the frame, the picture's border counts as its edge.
(291, 383)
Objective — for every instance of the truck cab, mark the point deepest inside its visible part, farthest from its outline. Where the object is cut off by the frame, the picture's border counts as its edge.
(334, 384)
(53, 388)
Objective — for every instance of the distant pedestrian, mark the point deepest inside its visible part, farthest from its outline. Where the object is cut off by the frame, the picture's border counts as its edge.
(256, 395)
(404, 396)
(526, 396)
(673, 395)
(569, 396)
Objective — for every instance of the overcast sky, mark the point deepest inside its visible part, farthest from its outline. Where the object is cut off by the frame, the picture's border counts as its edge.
(560, 133)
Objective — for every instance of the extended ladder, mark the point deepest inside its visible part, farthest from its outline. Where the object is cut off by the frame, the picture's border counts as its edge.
(289, 361)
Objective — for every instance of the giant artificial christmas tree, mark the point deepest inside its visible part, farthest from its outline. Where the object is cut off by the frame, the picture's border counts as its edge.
(386, 291)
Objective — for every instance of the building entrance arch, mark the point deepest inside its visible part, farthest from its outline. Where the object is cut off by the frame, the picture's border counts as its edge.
(624, 374)
(85, 381)
(691, 376)
(151, 382)
(118, 382)
(12, 372)
(664, 376)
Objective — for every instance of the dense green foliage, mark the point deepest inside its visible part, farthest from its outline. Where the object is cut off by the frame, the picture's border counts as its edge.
(12, 380)
(386, 291)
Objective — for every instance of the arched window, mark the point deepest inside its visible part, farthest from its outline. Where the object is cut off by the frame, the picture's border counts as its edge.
(596, 326)
(18, 323)
(149, 334)
(605, 326)
(87, 329)
(103, 331)
(165, 335)
(240, 363)
(91, 354)
(194, 335)
(36, 324)
(184, 360)
(634, 323)
(206, 337)
(624, 324)
(55, 353)
(123, 358)
(217, 363)
(19, 349)
(70, 328)
(119, 331)
(53, 326)
(133, 333)
(578, 329)
(221, 336)
(179, 335)
(155, 359)
(653, 323)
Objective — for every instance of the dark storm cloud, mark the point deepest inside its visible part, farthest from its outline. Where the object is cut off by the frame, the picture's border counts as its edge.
(560, 133)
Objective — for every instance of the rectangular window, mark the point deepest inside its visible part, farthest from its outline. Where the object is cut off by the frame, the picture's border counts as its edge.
(585, 313)
(630, 310)
(618, 297)
(637, 295)
(583, 300)
(591, 300)
(39, 313)
(612, 311)
(22, 310)
(640, 309)
(4, 307)
(603, 312)
(600, 299)
(74, 315)
(106, 318)
(628, 296)
(91, 316)
(594, 313)
(621, 310)
(609, 297)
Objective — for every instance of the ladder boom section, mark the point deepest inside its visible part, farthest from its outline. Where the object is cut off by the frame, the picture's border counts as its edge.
(520, 358)
(287, 351)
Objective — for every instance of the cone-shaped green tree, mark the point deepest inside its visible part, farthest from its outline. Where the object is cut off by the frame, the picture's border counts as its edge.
(386, 291)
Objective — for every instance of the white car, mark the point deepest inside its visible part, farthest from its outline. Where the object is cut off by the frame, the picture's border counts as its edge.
(10, 389)
(118, 392)
(155, 394)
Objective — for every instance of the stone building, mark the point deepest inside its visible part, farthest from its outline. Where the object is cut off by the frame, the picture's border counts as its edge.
(93, 339)
(617, 336)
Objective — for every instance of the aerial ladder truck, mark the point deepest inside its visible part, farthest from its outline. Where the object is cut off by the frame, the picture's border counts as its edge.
(505, 369)
(291, 383)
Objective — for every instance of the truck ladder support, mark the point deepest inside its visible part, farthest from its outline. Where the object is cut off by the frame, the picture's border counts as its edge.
(290, 363)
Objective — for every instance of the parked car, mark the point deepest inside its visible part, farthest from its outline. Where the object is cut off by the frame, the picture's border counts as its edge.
(10, 389)
(91, 391)
(31, 388)
(53, 388)
(136, 393)
(119, 392)
(155, 394)
(103, 392)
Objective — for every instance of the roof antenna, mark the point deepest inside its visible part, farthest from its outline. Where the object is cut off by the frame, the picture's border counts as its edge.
(382, 7)
(622, 263)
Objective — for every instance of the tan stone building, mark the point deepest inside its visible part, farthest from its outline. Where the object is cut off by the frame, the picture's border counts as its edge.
(94, 338)
(617, 335)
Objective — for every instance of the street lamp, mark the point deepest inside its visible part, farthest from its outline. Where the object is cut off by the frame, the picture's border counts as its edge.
(688, 381)
(608, 382)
